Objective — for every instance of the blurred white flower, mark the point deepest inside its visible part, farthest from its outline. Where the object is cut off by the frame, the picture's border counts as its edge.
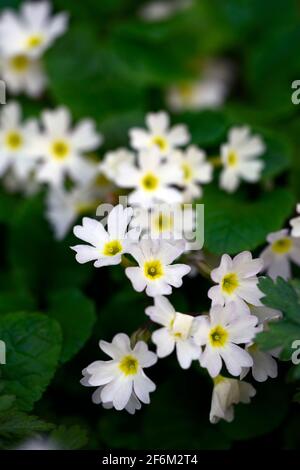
(155, 272)
(237, 282)
(265, 314)
(165, 221)
(295, 224)
(282, 250)
(63, 207)
(16, 141)
(264, 364)
(209, 91)
(162, 10)
(226, 393)
(159, 134)
(195, 171)
(23, 74)
(151, 180)
(177, 332)
(240, 158)
(123, 376)
(220, 333)
(112, 162)
(105, 246)
(31, 31)
(61, 148)
(38, 443)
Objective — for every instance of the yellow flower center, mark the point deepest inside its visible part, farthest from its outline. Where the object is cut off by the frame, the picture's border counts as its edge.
(14, 140)
(112, 248)
(232, 158)
(187, 172)
(150, 182)
(129, 365)
(60, 149)
(229, 283)
(163, 223)
(160, 142)
(34, 40)
(219, 379)
(19, 63)
(282, 246)
(153, 269)
(218, 336)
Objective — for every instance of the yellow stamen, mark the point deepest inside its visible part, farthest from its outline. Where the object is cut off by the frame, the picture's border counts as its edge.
(19, 63)
(14, 140)
(229, 283)
(282, 246)
(33, 41)
(112, 248)
(160, 142)
(187, 172)
(163, 223)
(150, 182)
(60, 149)
(218, 336)
(232, 158)
(153, 269)
(129, 365)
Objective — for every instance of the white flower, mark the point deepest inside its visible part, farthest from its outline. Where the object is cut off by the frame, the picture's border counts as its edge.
(195, 171)
(159, 135)
(240, 158)
(155, 272)
(295, 224)
(63, 207)
(16, 141)
(165, 221)
(61, 148)
(176, 333)
(161, 10)
(23, 74)
(113, 161)
(220, 333)
(237, 282)
(264, 364)
(151, 181)
(265, 314)
(278, 255)
(226, 393)
(132, 405)
(106, 247)
(31, 31)
(209, 91)
(123, 375)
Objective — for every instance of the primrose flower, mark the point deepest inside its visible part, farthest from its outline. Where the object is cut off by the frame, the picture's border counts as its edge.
(220, 333)
(155, 272)
(177, 332)
(105, 246)
(264, 364)
(122, 379)
(113, 161)
(23, 74)
(159, 134)
(240, 158)
(282, 250)
(237, 282)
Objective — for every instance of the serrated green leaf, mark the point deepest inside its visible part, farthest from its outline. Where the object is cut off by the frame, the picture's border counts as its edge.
(33, 345)
(69, 438)
(76, 315)
(280, 295)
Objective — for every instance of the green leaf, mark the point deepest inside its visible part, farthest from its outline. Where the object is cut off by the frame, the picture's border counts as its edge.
(6, 402)
(69, 438)
(280, 295)
(76, 315)
(233, 225)
(264, 414)
(206, 127)
(16, 426)
(33, 345)
(16, 301)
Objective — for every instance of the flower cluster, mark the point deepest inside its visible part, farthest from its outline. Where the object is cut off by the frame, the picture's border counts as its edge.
(222, 339)
(24, 37)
